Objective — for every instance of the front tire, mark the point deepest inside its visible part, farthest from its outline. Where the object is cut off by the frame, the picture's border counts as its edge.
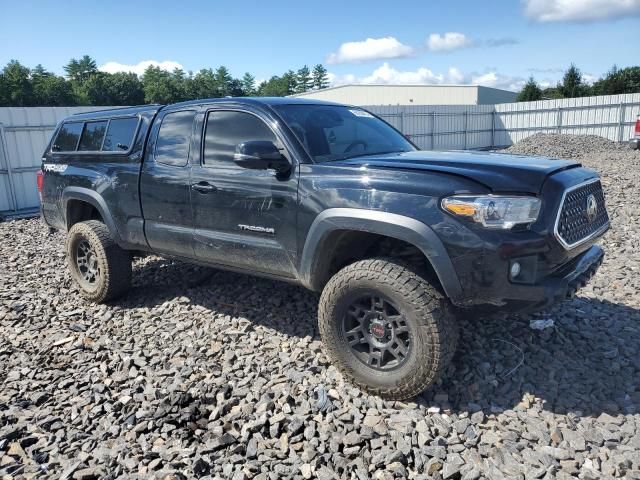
(97, 264)
(386, 328)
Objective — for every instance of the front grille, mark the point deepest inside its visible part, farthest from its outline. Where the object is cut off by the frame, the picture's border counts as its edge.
(574, 224)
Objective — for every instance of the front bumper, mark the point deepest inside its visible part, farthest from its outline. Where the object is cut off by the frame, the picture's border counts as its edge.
(561, 284)
(566, 282)
(634, 143)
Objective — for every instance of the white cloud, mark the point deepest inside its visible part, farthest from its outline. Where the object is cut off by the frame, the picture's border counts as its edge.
(369, 49)
(497, 80)
(456, 75)
(387, 75)
(139, 68)
(579, 10)
(590, 79)
(448, 42)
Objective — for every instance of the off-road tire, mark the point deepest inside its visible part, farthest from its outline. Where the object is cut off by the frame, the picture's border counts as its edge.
(428, 314)
(114, 263)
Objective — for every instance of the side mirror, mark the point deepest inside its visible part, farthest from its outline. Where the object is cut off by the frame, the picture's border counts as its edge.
(261, 155)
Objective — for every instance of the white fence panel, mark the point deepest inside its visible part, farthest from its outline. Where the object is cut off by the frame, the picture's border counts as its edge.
(24, 134)
(487, 126)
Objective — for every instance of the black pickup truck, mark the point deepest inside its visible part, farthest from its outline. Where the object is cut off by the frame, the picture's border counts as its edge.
(333, 198)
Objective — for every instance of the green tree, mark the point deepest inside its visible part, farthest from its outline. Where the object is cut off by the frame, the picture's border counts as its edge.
(4, 91)
(158, 86)
(180, 81)
(40, 71)
(610, 84)
(303, 80)
(80, 70)
(618, 81)
(17, 82)
(248, 84)
(631, 79)
(203, 85)
(121, 88)
(235, 88)
(572, 84)
(291, 79)
(223, 80)
(94, 90)
(274, 87)
(551, 93)
(319, 77)
(49, 89)
(125, 88)
(530, 92)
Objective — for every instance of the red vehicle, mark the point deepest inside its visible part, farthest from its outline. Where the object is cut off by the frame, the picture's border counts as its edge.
(634, 143)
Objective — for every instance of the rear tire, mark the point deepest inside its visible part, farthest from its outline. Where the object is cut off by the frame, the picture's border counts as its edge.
(386, 328)
(97, 264)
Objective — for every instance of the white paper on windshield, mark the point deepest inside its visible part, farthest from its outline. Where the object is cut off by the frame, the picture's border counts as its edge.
(361, 113)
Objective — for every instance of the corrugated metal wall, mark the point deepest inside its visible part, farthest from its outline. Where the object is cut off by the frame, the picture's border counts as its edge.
(487, 126)
(609, 116)
(441, 127)
(24, 134)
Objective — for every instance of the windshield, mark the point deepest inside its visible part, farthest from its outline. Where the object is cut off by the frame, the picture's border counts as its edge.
(331, 132)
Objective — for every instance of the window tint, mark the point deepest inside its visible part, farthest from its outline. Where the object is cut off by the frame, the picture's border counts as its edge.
(92, 136)
(336, 132)
(225, 130)
(68, 137)
(120, 134)
(172, 146)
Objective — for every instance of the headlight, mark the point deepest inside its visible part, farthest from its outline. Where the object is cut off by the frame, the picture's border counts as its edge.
(500, 212)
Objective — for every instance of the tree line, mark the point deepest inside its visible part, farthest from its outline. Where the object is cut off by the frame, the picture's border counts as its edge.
(614, 82)
(84, 84)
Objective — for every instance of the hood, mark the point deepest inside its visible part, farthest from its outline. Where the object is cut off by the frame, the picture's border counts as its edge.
(498, 171)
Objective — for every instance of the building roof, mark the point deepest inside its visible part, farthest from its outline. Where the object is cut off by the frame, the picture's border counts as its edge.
(412, 85)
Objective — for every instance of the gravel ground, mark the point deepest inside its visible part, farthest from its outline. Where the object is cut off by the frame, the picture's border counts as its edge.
(199, 373)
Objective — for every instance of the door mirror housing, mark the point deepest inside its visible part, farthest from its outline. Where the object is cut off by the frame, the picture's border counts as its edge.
(261, 155)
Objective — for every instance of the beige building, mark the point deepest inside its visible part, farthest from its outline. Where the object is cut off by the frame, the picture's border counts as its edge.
(412, 95)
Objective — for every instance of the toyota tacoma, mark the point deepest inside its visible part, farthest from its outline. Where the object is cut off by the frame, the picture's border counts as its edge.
(397, 240)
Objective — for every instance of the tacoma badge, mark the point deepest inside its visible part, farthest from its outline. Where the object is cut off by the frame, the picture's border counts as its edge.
(258, 229)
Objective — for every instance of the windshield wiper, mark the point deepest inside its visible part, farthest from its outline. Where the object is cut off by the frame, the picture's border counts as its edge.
(372, 154)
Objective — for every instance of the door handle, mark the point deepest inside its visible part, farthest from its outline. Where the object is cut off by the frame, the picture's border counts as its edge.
(203, 187)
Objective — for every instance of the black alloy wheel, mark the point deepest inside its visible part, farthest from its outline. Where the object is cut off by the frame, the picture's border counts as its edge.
(377, 332)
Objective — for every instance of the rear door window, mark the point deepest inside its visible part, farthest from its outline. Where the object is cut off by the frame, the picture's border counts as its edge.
(68, 136)
(174, 138)
(92, 136)
(120, 134)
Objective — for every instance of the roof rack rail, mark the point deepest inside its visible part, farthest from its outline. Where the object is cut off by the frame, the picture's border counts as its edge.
(119, 108)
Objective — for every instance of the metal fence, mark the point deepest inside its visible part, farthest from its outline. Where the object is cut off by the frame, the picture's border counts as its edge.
(24, 132)
(489, 126)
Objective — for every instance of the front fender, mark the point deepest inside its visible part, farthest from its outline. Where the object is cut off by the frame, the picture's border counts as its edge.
(393, 225)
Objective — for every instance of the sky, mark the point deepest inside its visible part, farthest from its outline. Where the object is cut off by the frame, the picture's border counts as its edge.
(494, 43)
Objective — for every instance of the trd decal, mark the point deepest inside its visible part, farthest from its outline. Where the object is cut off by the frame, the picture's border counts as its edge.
(54, 167)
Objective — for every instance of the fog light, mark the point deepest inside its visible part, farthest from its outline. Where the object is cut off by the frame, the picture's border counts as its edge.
(515, 269)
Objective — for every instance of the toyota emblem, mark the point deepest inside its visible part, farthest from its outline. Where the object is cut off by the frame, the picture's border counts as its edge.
(592, 208)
